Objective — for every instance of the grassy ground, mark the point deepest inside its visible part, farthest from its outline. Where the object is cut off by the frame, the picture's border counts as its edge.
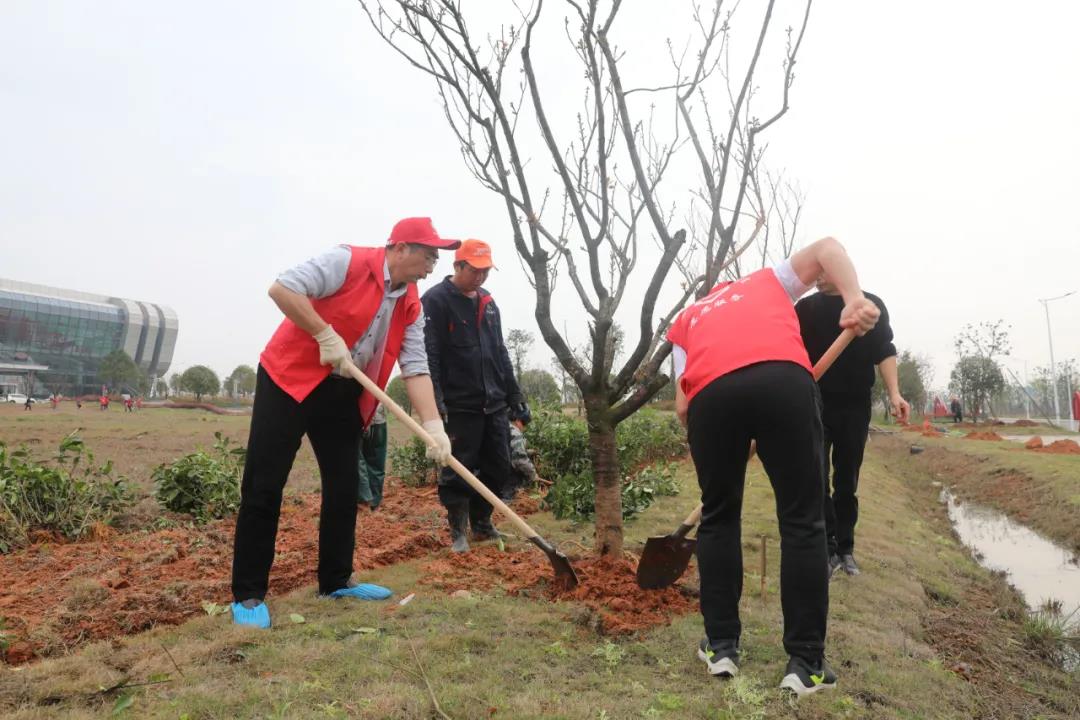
(923, 633)
(1038, 489)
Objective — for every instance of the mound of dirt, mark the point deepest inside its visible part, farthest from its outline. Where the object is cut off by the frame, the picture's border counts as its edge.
(1023, 422)
(983, 435)
(1034, 443)
(608, 587)
(59, 595)
(932, 433)
(1061, 447)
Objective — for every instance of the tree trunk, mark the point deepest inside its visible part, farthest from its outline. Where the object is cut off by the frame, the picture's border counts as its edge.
(606, 476)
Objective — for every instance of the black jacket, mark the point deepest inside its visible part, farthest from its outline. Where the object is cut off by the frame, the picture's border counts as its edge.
(852, 375)
(470, 367)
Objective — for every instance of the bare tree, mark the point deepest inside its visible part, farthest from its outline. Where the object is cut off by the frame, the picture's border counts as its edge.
(605, 188)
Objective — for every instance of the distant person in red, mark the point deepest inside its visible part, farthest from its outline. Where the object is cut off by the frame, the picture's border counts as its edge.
(104, 402)
(743, 374)
(55, 400)
(138, 403)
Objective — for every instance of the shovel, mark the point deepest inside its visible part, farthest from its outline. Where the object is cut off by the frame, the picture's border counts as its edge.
(664, 559)
(564, 572)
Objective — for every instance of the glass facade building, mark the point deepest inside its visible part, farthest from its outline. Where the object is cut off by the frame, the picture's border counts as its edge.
(53, 340)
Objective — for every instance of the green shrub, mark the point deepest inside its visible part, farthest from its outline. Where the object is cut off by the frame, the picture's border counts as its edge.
(67, 497)
(647, 436)
(200, 484)
(560, 441)
(574, 496)
(409, 462)
(562, 445)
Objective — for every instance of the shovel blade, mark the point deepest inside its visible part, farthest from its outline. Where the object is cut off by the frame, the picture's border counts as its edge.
(663, 561)
(564, 571)
(565, 577)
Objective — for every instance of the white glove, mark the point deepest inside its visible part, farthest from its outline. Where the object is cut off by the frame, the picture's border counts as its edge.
(440, 451)
(332, 349)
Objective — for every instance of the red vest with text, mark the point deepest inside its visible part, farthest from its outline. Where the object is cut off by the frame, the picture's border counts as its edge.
(291, 358)
(738, 323)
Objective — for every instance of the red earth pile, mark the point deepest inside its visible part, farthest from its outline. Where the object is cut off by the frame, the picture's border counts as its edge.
(608, 586)
(1023, 422)
(983, 435)
(1034, 443)
(1061, 447)
(56, 596)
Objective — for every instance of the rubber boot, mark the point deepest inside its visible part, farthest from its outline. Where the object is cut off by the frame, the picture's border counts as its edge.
(458, 518)
(480, 519)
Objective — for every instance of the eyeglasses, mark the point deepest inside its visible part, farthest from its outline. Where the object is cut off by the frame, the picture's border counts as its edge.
(430, 254)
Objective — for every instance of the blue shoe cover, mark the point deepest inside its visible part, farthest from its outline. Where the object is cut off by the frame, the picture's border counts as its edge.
(363, 591)
(258, 616)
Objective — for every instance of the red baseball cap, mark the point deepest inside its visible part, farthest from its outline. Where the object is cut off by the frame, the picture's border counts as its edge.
(475, 252)
(420, 231)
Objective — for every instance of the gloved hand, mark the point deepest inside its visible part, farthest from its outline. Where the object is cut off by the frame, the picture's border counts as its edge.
(332, 349)
(440, 451)
(521, 412)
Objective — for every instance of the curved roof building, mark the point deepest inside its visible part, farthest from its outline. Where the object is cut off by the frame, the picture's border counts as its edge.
(70, 332)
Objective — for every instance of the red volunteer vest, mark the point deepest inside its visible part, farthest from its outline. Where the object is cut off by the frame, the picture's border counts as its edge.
(739, 323)
(291, 358)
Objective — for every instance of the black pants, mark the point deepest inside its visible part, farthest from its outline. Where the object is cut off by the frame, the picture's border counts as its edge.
(330, 417)
(846, 424)
(482, 443)
(776, 403)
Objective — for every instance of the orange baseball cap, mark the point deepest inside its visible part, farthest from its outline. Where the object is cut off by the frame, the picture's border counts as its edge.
(475, 252)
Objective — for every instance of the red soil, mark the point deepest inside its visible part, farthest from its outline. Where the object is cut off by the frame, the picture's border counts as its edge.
(1034, 443)
(56, 595)
(1061, 447)
(985, 435)
(608, 586)
(931, 433)
(1025, 423)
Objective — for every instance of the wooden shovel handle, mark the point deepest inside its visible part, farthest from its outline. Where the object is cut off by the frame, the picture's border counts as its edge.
(454, 463)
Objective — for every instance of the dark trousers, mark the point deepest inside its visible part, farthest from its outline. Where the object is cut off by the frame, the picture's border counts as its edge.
(482, 443)
(776, 403)
(846, 424)
(330, 417)
(372, 466)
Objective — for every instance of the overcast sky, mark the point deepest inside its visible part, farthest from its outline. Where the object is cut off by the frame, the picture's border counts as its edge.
(186, 153)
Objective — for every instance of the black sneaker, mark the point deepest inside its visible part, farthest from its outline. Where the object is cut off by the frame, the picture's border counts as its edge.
(804, 678)
(847, 562)
(721, 658)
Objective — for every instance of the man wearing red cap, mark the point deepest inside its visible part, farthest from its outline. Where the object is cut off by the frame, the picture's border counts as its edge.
(352, 305)
(475, 388)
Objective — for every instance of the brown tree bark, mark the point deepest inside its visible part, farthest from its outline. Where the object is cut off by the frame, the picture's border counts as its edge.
(606, 476)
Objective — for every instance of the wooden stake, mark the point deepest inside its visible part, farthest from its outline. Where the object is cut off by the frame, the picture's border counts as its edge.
(764, 567)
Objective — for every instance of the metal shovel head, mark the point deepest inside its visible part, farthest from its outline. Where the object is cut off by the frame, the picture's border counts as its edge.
(664, 560)
(565, 577)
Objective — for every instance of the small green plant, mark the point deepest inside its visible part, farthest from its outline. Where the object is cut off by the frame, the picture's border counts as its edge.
(201, 484)
(1051, 634)
(409, 462)
(610, 653)
(67, 496)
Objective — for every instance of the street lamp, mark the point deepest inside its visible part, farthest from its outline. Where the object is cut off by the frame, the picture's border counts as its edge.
(1053, 371)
